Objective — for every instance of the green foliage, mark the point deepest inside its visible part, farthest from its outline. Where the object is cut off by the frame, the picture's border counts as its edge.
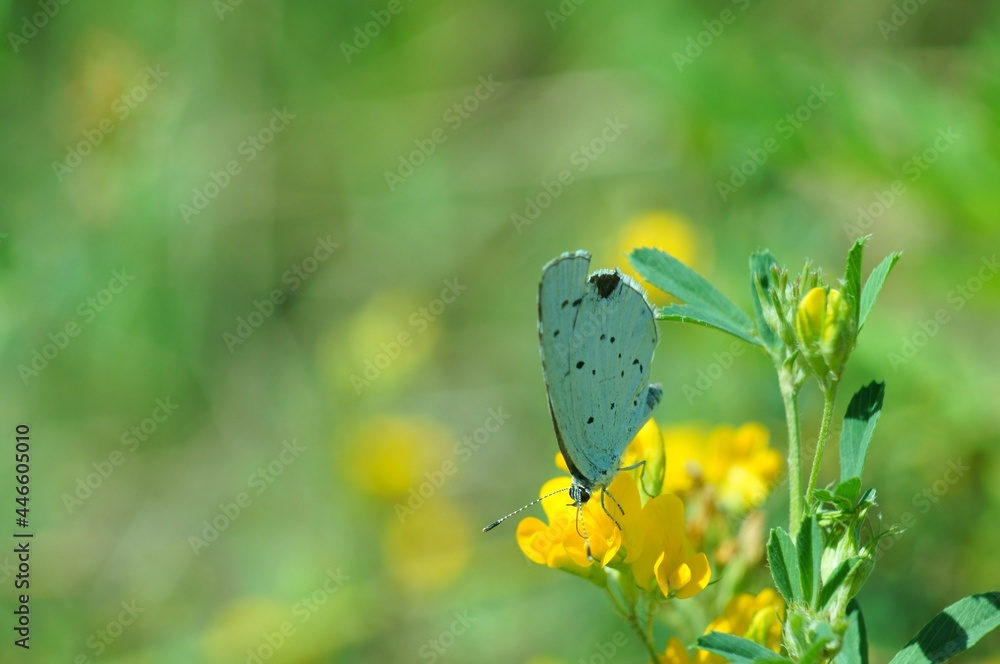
(854, 648)
(859, 425)
(738, 649)
(703, 303)
(874, 286)
(954, 630)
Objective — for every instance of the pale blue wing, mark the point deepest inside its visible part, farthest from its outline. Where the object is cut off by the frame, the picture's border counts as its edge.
(610, 396)
(560, 294)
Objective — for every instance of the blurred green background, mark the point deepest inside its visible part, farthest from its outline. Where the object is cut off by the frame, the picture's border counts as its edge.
(176, 176)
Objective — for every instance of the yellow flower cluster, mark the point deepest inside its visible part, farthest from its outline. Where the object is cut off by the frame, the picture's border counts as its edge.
(738, 464)
(651, 544)
(756, 618)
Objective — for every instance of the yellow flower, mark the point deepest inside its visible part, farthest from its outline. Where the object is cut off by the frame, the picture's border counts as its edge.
(390, 455)
(757, 618)
(651, 539)
(823, 327)
(675, 653)
(661, 230)
(738, 464)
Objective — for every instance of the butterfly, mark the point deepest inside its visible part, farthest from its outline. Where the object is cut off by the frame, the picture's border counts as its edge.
(596, 335)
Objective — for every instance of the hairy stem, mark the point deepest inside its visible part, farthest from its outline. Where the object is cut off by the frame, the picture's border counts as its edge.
(790, 395)
(829, 398)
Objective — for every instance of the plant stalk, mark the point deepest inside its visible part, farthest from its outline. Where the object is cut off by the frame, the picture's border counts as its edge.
(790, 395)
(829, 399)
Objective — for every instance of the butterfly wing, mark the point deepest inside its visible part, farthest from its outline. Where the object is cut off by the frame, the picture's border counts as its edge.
(560, 294)
(609, 363)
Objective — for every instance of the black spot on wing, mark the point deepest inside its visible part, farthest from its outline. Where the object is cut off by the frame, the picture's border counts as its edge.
(606, 283)
(579, 365)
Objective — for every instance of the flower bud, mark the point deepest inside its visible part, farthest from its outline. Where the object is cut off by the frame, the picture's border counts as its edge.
(824, 330)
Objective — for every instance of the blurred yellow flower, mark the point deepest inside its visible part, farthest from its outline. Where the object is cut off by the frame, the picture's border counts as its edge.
(651, 543)
(661, 230)
(757, 618)
(738, 463)
(429, 549)
(389, 455)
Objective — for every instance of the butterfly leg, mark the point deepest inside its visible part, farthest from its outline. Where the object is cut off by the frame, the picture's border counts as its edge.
(638, 464)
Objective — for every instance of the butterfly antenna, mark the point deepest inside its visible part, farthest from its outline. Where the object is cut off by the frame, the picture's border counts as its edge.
(520, 509)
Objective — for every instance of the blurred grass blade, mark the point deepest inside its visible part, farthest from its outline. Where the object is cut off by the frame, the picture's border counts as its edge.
(859, 425)
(854, 649)
(737, 649)
(874, 285)
(703, 303)
(760, 272)
(784, 567)
(852, 276)
(954, 630)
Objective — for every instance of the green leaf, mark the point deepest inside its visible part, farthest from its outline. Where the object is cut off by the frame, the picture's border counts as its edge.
(849, 490)
(686, 313)
(854, 648)
(760, 272)
(859, 425)
(874, 284)
(838, 576)
(703, 303)
(954, 630)
(738, 649)
(784, 567)
(809, 547)
(852, 275)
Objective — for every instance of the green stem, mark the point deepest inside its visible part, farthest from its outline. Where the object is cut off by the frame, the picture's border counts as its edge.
(790, 395)
(633, 621)
(829, 398)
